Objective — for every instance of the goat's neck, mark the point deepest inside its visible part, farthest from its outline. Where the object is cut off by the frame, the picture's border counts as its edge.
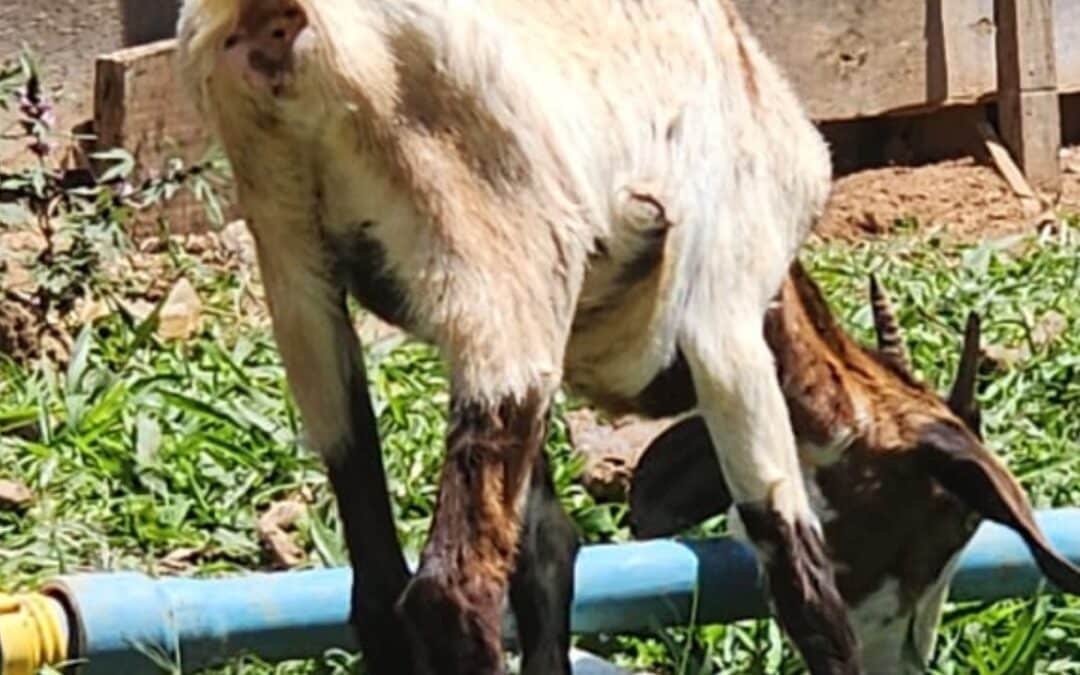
(836, 390)
(809, 349)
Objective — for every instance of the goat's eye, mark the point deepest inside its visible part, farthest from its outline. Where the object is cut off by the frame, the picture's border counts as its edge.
(231, 41)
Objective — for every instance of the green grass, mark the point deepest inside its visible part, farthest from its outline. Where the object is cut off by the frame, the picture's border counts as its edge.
(140, 448)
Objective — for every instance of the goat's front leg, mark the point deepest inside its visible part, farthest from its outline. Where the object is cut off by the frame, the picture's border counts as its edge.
(326, 375)
(454, 604)
(747, 419)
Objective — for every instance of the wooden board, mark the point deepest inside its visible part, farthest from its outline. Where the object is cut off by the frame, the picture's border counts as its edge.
(138, 106)
(1028, 109)
(863, 58)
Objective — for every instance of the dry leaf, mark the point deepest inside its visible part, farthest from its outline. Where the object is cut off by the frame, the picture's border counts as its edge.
(1049, 328)
(611, 450)
(272, 529)
(14, 496)
(998, 358)
(181, 560)
(181, 314)
(238, 241)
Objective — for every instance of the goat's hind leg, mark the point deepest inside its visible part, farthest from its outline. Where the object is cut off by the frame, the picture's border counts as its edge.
(358, 478)
(542, 585)
(325, 369)
(744, 409)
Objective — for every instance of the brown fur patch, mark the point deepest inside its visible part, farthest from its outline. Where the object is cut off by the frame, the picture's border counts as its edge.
(449, 112)
(956, 458)
(894, 522)
(454, 603)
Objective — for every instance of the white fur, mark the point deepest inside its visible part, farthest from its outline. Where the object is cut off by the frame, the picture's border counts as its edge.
(600, 96)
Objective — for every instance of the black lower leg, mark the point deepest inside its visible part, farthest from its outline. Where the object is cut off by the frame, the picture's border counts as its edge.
(358, 478)
(542, 585)
(803, 590)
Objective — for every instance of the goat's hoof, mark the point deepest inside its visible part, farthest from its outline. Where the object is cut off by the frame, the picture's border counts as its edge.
(450, 635)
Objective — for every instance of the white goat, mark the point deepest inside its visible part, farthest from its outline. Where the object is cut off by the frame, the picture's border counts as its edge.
(606, 192)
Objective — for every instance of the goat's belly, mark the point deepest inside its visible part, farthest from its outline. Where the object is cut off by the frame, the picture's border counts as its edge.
(623, 340)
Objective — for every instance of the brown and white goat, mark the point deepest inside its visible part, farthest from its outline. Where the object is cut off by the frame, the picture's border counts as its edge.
(899, 477)
(601, 192)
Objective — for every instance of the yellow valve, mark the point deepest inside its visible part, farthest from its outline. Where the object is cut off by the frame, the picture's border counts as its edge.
(33, 633)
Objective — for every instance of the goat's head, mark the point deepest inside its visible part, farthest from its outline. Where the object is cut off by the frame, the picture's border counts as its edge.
(902, 486)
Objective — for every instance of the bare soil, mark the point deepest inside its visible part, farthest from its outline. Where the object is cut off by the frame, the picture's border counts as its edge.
(968, 201)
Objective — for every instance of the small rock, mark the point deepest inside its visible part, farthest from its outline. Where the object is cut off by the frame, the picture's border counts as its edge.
(181, 315)
(373, 330)
(89, 310)
(272, 530)
(153, 244)
(14, 496)
(23, 240)
(198, 244)
(238, 241)
(1070, 159)
(1049, 328)
(139, 309)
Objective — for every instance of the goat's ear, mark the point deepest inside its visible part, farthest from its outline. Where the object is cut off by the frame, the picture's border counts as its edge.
(968, 470)
(889, 337)
(677, 482)
(962, 397)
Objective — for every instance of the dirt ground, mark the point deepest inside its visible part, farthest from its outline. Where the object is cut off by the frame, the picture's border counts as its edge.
(967, 200)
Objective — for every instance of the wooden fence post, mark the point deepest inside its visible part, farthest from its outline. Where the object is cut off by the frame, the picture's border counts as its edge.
(1029, 113)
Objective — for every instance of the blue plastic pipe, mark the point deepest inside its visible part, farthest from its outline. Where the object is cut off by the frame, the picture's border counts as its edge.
(123, 622)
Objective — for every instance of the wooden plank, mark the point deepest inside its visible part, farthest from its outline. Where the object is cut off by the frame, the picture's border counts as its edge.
(1028, 109)
(138, 106)
(863, 58)
(1004, 162)
(846, 58)
(1025, 45)
(1067, 44)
